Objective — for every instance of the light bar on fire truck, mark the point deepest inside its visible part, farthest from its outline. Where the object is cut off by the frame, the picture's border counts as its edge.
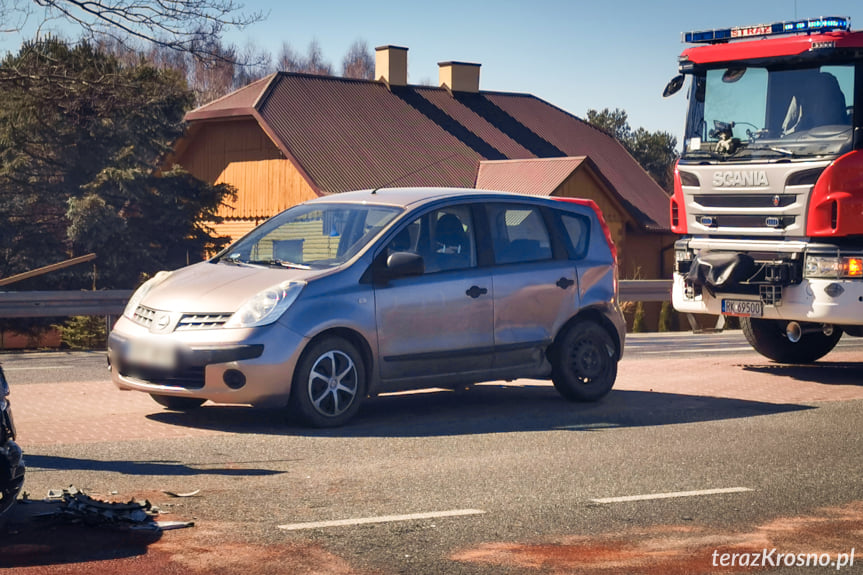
(776, 29)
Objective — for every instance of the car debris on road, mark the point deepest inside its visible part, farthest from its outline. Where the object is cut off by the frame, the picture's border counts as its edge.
(73, 505)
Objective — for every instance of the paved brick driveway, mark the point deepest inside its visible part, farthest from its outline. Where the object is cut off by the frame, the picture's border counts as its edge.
(96, 411)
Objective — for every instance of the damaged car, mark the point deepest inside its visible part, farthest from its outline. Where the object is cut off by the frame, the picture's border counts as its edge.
(360, 293)
(11, 457)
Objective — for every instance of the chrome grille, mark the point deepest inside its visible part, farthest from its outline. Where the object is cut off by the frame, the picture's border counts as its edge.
(202, 321)
(144, 316)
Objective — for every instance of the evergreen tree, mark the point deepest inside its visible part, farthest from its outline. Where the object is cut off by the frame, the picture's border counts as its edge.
(81, 138)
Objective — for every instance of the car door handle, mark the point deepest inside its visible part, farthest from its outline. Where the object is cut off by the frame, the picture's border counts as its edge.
(476, 291)
(564, 283)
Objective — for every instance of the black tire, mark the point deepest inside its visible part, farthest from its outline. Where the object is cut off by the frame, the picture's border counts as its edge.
(329, 383)
(178, 403)
(10, 488)
(767, 337)
(584, 362)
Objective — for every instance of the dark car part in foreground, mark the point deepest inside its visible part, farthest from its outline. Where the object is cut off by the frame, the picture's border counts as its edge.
(11, 457)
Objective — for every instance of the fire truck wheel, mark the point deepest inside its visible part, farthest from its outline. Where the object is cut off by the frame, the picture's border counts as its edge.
(177, 403)
(768, 338)
(584, 362)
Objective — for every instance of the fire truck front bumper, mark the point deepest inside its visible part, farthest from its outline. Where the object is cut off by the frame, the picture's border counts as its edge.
(817, 300)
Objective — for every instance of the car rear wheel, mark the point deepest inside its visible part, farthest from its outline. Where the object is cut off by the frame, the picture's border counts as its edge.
(177, 403)
(584, 363)
(329, 383)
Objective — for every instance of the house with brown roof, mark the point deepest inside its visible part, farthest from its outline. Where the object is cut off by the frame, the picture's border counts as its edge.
(291, 137)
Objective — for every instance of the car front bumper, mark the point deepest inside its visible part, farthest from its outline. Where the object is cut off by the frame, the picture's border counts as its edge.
(241, 366)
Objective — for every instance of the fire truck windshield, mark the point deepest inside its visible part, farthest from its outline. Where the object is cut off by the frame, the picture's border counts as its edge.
(763, 114)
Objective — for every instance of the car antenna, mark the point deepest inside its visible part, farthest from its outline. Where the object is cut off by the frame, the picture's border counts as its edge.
(420, 169)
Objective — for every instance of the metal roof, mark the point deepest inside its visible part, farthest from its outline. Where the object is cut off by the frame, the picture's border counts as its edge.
(535, 176)
(349, 134)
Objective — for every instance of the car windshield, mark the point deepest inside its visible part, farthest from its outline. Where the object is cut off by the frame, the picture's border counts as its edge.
(758, 113)
(311, 236)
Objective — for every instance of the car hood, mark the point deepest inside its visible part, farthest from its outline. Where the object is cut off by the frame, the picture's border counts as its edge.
(209, 287)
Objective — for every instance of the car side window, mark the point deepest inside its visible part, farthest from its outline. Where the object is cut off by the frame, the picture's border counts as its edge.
(518, 234)
(445, 239)
(576, 228)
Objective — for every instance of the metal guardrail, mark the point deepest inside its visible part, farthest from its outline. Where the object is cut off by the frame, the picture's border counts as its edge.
(111, 302)
(645, 290)
(62, 303)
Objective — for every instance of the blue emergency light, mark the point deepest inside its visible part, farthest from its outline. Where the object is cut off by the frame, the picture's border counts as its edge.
(776, 29)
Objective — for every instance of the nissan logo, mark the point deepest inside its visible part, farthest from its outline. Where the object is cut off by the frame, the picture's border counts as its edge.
(162, 322)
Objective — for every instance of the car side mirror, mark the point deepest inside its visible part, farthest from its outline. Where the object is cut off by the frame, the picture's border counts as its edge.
(404, 264)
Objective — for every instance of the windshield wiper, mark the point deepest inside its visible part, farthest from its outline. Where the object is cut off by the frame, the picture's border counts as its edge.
(780, 151)
(282, 263)
(233, 259)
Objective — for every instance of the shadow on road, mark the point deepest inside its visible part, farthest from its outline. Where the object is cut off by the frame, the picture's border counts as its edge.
(822, 372)
(486, 409)
(28, 541)
(126, 467)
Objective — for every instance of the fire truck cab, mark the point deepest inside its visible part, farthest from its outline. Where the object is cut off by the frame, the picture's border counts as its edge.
(768, 191)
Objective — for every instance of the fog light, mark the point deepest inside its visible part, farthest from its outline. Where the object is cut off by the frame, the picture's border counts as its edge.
(234, 378)
(834, 290)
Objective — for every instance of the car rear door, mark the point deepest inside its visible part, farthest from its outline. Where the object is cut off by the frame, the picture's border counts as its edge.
(535, 283)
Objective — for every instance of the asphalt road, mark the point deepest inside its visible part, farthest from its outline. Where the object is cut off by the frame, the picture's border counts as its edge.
(704, 454)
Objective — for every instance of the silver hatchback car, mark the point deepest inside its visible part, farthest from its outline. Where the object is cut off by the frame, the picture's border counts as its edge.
(361, 293)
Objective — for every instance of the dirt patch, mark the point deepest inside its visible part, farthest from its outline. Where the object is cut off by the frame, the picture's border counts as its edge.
(32, 544)
(679, 550)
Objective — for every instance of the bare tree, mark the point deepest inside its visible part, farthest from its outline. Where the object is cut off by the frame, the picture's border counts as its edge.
(359, 62)
(288, 60)
(213, 78)
(188, 26)
(259, 63)
(314, 62)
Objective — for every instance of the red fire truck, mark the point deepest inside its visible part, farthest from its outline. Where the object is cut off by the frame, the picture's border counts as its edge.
(768, 191)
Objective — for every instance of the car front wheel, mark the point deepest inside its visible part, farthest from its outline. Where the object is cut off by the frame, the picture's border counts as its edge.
(329, 383)
(584, 363)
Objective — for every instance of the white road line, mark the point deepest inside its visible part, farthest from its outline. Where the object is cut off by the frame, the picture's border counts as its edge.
(714, 350)
(672, 495)
(381, 519)
(37, 368)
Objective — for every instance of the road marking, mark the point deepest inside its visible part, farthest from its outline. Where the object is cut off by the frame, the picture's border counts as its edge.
(672, 495)
(704, 350)
(381, 519)
(36, 368)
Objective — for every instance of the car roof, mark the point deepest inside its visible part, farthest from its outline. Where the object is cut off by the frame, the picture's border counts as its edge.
(411, 197)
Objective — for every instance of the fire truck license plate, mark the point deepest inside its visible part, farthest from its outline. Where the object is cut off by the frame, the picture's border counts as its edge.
(742, 307)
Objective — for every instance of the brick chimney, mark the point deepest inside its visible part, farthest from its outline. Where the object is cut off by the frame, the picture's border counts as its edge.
(391, 65)
(459, 76)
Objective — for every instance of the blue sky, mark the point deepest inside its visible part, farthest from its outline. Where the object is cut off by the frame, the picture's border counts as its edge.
(575, 54)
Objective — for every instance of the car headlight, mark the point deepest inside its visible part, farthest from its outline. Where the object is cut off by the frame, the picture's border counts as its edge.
(266, 306)
(142, 291)
(833, 267)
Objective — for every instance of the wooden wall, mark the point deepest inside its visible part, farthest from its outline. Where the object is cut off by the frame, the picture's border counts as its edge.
(239, 153)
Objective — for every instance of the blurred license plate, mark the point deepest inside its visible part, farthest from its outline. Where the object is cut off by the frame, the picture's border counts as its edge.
(150, 354)
(742, 307)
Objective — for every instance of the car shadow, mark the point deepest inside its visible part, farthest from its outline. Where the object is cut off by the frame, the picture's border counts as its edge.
(822, 372)
(485, 409)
